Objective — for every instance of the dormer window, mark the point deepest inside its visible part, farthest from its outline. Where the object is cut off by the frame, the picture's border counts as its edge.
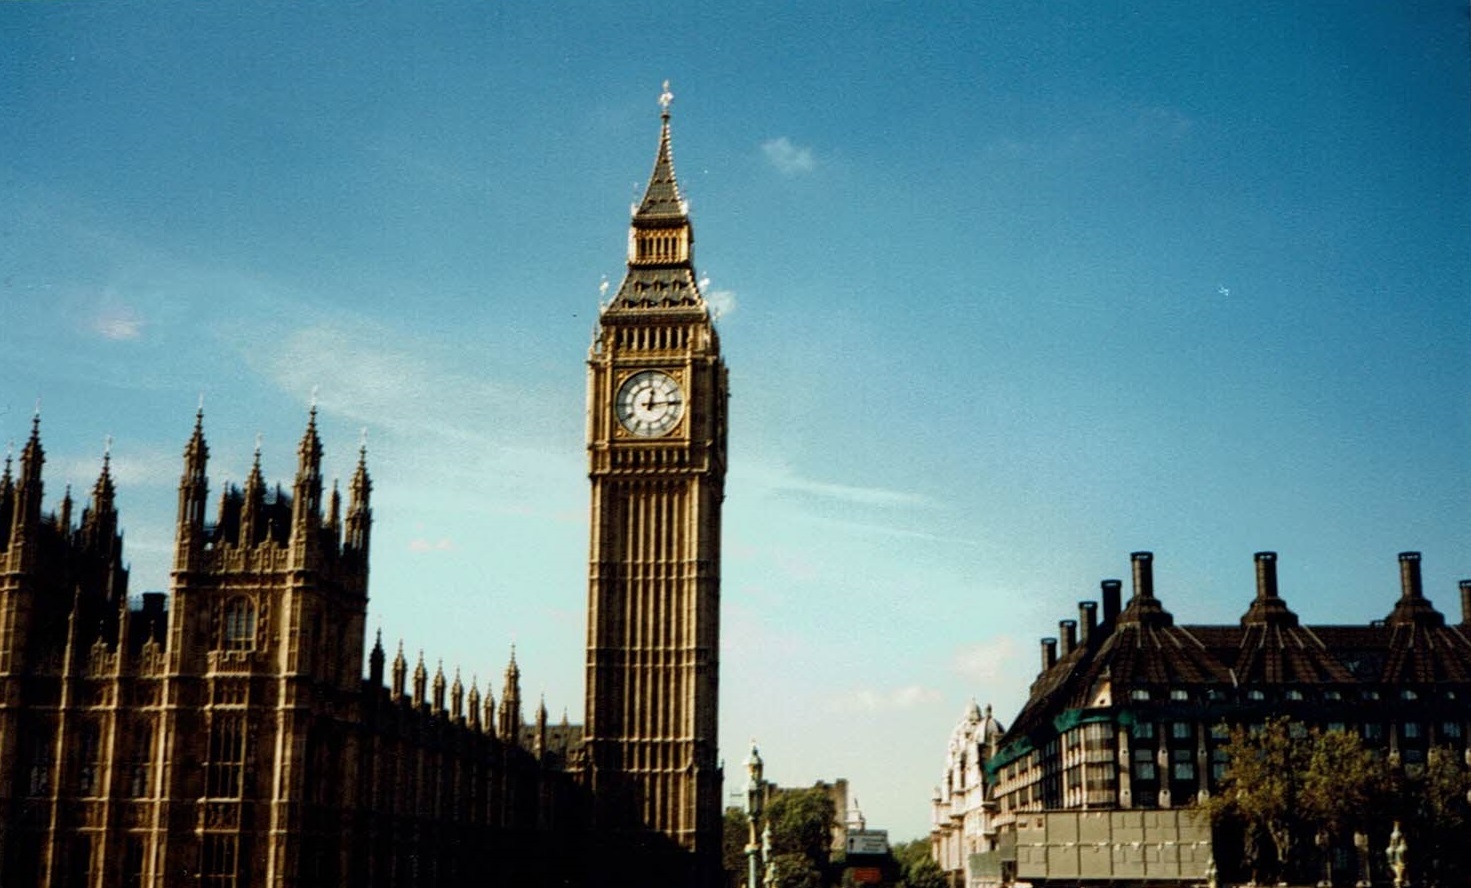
(1179, 694)
(1294, 694)
(1139, 694)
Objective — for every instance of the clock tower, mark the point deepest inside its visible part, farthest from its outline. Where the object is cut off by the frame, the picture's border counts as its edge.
(656, 431)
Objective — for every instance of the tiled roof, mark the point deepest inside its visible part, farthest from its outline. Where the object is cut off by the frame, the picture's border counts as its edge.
(1143, 648)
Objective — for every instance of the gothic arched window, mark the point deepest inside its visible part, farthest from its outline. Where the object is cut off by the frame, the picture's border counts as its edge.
(239, 628)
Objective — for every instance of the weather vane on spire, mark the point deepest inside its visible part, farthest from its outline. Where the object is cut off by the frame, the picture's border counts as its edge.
(665, 98)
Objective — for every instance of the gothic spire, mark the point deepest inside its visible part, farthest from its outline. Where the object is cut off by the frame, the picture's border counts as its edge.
(28, 488)
(307, 490)
(32, 456)
(375, 662)
(473, 703)
(400, 669)
(104, 492)
(662, 199)
(510, 717)
(360, 489)
(421, 682)
(439, 687)
(661, 242)
(193, 491)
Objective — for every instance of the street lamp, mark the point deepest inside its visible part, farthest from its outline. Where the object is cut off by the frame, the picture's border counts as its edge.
(755, 797)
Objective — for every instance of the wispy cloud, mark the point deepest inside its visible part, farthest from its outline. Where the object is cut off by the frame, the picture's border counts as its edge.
(871, 700)
(440, 545)
(1121, 131)
(985, 661)
(782, 480)
(789, 159)
(722, 302)
(130, 467)
(117, 322)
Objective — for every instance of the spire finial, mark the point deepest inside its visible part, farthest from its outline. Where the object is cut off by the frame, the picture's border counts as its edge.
(665, 99)
(258, 438)
(314, 399)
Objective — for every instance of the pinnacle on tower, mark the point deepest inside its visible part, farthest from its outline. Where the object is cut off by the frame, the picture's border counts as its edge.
(439, 687)
(252, 529)
(359, 515)
(307, 490)
(64, 513)
(509, 726)
(473, 703)
(400, 669)
(421, 679)
(28, 488)
(375, 661)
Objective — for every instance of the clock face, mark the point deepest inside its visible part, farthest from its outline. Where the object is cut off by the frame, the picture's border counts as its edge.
(649, 403)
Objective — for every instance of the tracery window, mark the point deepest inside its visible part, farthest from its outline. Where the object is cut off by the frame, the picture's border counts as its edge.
(226, 769)
(239, 624)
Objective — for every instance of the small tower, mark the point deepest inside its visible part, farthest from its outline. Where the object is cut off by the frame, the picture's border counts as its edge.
(359, 515)
(26, 521)
(193, 491)
(509, 727)
(400, 672)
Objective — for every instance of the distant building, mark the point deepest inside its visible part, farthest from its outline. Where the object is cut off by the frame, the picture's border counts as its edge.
(961, 811)
(1130, 711)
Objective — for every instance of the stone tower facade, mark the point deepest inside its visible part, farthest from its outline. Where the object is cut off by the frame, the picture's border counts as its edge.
(656, 438)
(224, 735)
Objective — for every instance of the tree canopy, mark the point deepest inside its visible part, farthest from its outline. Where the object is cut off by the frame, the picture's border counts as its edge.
(1293, 788)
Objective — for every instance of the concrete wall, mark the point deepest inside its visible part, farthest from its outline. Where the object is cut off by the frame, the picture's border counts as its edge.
(1153, 844)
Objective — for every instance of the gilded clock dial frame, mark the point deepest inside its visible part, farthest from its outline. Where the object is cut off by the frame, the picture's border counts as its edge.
(649, 404)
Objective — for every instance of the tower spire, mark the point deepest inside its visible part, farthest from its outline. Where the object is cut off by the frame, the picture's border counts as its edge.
(661, 240)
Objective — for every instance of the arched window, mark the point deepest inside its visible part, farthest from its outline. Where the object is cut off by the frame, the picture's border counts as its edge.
(239, 625)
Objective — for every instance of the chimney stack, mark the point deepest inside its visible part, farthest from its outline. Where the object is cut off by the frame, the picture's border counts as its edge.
(1068, 629)
(1049, 653)
(1409, 575)
(1143, 574)
(1087, 620)
(1112, 602)
(1466, 602)
(1266, 575)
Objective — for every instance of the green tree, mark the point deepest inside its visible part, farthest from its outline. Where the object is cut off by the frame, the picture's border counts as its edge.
(797, 870)
(1341, 779)
(917, 867)
(1437, 814)
(1261, 787)
(802, 823)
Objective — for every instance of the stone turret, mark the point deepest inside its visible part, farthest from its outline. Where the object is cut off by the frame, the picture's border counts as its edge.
(509, 725)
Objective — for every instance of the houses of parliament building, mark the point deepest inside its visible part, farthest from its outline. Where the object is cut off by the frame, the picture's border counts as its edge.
(223, 734)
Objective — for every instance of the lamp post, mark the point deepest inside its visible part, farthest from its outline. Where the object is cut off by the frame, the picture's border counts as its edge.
(755, 792)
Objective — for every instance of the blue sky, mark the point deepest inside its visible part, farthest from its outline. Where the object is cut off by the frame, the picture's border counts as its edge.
(1008, 291)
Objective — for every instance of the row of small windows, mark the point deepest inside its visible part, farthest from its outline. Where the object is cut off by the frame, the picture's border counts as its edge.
(1256, 694)
(1371, 731)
